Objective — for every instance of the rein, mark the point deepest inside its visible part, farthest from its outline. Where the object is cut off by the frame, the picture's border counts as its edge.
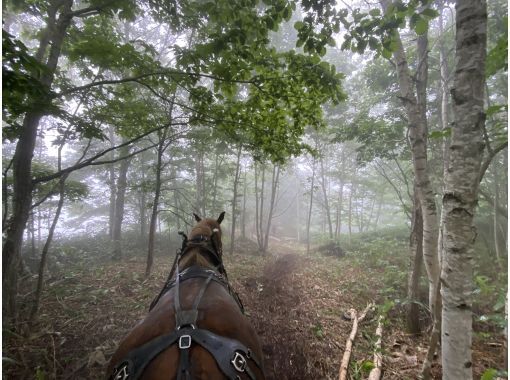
(206, 244)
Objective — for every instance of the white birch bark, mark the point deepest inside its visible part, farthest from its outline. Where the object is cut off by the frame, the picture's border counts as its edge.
(461, 188)
(417, 128)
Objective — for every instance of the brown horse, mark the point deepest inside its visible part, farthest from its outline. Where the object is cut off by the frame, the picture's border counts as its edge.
(195, 328)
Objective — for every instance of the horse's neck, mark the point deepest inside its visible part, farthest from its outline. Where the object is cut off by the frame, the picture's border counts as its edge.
(194, 257)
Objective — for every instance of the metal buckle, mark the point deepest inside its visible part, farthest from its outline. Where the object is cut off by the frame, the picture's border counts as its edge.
(239, 362)
(185, 342)
(121, 373)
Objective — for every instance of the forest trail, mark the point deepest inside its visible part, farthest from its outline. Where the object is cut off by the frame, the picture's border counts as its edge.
(295, 302)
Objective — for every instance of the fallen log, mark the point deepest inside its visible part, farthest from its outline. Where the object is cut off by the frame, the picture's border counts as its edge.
(344, 365)
(376, 372)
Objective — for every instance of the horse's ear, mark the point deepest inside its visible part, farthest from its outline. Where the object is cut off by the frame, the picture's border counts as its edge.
(220, 218)
(197, 218)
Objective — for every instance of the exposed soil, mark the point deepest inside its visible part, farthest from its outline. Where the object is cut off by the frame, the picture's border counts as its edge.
(296, 303)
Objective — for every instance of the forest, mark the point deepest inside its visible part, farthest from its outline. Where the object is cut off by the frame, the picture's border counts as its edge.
(357, 148)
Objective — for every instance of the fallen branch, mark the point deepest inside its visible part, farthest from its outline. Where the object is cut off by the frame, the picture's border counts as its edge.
(376, 372)
(344, 365)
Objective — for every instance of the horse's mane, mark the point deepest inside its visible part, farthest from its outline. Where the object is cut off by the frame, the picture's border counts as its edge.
(194, 256)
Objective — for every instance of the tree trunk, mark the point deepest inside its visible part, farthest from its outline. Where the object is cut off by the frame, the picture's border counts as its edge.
(338, 222)
(259, 208)
(309, 218)
(495, 217)
(415, 107)
(215, 183)
(461, 188)
(155, 203)
(326, 202)
(143, 203)
(22, 160)
(349, 219)
(378, 214)
(360, 213)
(257, 214)
(274, 189)
(243, 219)
(416, 249)
(46, 248)
(200, 181)
(234, 201)
(119, 203)
(443, 61)
(111, 178)
(298, 211)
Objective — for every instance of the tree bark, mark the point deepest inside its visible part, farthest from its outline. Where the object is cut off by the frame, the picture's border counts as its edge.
(495, 217)
(298, 211)
(243, 219)
(234, 201)
(215, 182)
(259, 208)
(200, 181)
(416, 249)
(415, 107)
(310, 207)
(157, 192)
(111, 179)
(443, 61)
(326, 202)
(338, 222)
(143, 203)
(257, 215)
(461, 188)
(349, 219)
(274, 189)
(46, 248)
(119, 204)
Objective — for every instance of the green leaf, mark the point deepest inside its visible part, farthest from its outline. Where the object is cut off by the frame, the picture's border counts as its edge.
(489, 374)
(375, 12)
(497, 57)
(367, 366)
(40, 374)
(386, 53)
(440, 134)
(298, 25)
(430, 13)
(421, 26)
(373, 43)
(496, 108)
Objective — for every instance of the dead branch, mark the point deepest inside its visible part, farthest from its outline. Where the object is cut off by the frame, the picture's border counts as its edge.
(348, 346)
(376, 372)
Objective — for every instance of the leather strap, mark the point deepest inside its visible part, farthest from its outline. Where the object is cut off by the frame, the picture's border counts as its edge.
(221, 348)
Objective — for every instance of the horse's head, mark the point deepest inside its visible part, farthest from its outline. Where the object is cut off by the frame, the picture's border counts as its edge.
(208, 228)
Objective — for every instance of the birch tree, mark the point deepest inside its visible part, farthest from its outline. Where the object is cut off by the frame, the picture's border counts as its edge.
(461, 188)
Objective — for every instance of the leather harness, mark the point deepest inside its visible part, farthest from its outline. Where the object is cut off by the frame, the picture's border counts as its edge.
(231, 355)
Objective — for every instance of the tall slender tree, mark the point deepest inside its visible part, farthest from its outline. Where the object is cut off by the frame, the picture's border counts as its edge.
(461, 188)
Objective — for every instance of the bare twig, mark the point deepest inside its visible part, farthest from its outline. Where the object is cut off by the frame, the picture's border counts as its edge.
(375, 373)
(348, 346)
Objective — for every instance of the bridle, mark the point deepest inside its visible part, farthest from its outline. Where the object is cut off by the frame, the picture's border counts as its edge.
(207, 245)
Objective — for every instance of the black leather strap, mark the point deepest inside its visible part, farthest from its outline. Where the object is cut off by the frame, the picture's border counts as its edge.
(221, 348)
(135, 362)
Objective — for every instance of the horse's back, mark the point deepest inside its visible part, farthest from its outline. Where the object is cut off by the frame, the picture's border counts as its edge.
(217, 312)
